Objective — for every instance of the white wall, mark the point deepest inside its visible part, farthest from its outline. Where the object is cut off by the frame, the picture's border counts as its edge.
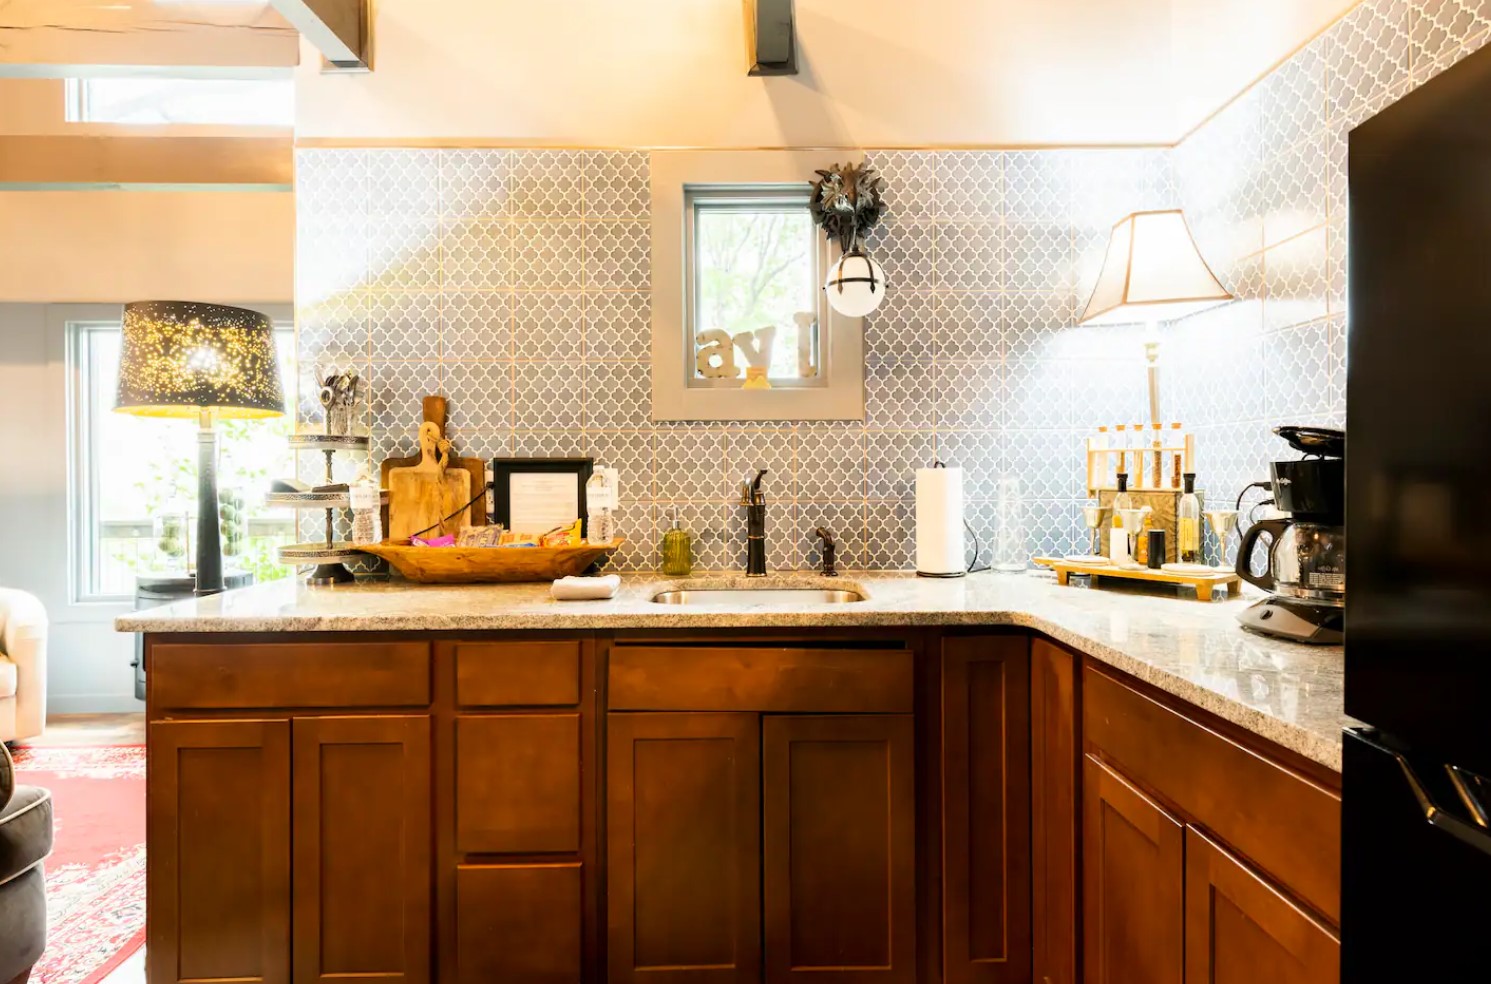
(874, 73)
(110, 247)
(654, 73)
(1223, 46)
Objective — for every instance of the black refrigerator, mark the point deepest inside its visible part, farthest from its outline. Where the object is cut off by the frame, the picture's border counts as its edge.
(1416, 834)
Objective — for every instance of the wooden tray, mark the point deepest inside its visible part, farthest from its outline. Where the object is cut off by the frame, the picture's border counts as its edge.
(1203, 583)
(488, 565)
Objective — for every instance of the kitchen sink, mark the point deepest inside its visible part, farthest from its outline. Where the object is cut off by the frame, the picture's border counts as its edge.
(757, 596)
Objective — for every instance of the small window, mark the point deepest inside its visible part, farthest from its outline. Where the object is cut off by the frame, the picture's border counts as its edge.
(135, 485)
(148, 100)
(754, 286)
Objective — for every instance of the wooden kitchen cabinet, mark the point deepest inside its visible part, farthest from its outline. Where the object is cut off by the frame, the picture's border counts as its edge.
(1238, 928)
(838, 845)
(219, 850)
(1055, 816)
(361, 838)
(986, 913)
(1133, 855)
(1167, 895)
(683, 832)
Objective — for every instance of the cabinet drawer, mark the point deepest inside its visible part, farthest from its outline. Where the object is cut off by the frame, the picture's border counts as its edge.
(660, 678)
(1285, 824)
(518, 923)
(518, 784)
(518, 674)
(289, 675)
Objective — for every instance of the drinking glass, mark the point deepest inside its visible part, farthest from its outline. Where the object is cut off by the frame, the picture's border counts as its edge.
(1092, 515)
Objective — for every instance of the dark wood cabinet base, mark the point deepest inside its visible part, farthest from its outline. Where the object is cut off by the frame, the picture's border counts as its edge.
(965, 806)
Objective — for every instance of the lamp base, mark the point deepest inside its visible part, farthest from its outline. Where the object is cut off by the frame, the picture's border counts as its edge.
(330, 574)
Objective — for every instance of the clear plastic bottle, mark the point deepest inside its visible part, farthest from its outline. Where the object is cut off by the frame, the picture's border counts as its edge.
(1188, 521)
(365, 500)
(600, 503)
(678, 548)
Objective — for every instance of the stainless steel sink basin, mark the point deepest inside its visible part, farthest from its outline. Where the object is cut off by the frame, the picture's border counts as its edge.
(757, 596)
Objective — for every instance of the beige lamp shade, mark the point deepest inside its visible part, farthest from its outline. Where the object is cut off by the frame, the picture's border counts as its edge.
(1153, 272)
(180, 358)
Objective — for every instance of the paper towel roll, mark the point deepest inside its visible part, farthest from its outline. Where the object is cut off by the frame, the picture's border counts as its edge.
(939, 522)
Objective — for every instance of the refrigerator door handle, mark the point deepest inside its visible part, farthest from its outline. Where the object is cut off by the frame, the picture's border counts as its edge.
(1464, 832)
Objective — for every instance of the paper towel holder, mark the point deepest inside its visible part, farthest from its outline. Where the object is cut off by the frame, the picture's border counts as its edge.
(978, 547)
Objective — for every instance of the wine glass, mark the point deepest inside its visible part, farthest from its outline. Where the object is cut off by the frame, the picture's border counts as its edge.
(1092, 515)
(1222, 523)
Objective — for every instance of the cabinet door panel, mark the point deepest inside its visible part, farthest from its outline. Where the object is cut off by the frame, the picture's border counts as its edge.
(1133, 856)
(683, 831)
(362, 849)
(219, 846)
(1056, 770)
(838, 807)
(1240, 930)
(518, 923)
(518, 784)
(985, 792)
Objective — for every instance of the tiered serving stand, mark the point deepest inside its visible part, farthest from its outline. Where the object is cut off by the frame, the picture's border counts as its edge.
(331, 555)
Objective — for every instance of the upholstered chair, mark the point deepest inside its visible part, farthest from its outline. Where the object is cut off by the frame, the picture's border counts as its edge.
(25, 841)
(23, 666)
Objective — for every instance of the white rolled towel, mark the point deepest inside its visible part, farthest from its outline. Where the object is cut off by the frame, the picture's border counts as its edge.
(585, 588)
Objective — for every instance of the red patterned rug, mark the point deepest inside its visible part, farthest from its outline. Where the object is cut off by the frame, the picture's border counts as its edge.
(96, 874)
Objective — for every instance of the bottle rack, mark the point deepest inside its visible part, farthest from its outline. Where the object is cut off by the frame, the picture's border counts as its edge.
(330, 555)
(1104, 461)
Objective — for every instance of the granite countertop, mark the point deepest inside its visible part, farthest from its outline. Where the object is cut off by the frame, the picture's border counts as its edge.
(1288, 693)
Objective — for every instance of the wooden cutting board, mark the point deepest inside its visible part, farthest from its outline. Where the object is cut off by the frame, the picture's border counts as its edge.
(435, 413)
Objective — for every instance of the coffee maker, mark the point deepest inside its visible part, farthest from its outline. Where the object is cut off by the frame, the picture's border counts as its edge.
(1306, 574)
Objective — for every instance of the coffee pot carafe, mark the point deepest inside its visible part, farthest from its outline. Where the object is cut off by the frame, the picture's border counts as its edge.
(1306, 571)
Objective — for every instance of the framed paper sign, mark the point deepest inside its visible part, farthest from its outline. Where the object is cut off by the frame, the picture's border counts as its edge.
(534, 495)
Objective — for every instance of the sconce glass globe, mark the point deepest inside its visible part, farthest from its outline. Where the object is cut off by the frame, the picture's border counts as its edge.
(856, 285)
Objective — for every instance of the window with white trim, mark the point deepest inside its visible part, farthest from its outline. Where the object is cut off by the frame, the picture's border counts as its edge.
(153, 100)
(135, 479)
(754, 285)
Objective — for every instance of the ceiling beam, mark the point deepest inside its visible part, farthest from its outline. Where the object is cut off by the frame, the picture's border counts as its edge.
(28, 161)
(71, 38)
(340, 29)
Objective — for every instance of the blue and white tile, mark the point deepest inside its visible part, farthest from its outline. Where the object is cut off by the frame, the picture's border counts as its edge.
(549, 395)
(891, 461)
(404, 326)
(618, 395)
(618, 325)
(480, 396)
(968, 326)
(473, 183)
(830, 462)
(631, 453)
(476, 326)
(897, 391)
(549, 326)
(618, 185)
(548, 255)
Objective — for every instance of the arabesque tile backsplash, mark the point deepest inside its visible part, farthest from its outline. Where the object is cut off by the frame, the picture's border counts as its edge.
(515, 282)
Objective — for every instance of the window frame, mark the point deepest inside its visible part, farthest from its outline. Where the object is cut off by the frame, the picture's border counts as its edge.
(747, 198)
(75, 103)
(76, 323)
(837, 393)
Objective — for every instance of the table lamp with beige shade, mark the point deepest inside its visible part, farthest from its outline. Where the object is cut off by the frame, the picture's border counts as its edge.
(1153, 272)
(207, 362)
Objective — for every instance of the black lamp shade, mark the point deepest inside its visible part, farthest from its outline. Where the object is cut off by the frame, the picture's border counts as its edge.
(181, 357)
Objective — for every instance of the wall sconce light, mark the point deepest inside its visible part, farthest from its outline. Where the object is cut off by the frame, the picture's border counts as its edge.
(846, 204)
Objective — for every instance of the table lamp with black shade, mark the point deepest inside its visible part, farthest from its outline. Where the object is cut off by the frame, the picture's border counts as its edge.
(210, 362)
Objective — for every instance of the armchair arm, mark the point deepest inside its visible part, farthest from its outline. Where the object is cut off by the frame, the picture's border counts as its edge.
(24, 642)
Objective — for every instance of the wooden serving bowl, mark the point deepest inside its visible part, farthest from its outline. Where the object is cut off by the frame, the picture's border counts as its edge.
(488, 565)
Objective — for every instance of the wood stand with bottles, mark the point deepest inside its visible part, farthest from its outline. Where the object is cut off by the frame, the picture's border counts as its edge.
(1104, 462)
(1205, 582)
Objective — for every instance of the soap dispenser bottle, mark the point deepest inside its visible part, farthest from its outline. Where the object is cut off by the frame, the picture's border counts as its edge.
(678, 548)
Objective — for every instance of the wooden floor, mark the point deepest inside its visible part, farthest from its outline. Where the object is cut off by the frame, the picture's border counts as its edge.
(99, 729)
(91, 729)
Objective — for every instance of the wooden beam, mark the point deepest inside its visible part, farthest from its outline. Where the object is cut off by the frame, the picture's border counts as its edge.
(70, 38)
(340, 29)
(113, 161)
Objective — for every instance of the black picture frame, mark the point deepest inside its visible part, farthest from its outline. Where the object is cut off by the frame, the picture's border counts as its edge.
(503, 469)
